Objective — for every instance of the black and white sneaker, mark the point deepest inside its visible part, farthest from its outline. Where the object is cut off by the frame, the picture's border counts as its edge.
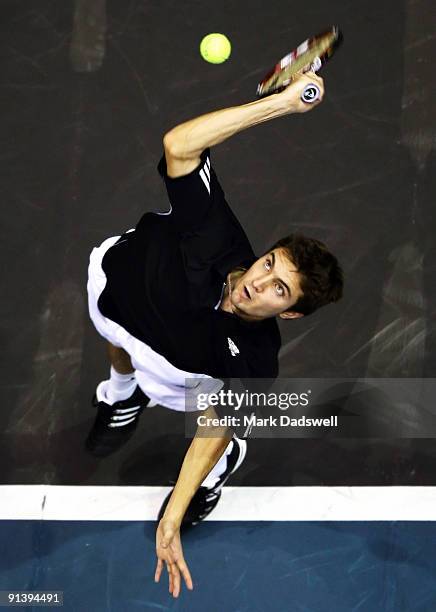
(206, 499)
(115, 423)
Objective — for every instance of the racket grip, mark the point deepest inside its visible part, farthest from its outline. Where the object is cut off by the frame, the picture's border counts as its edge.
(311, 93)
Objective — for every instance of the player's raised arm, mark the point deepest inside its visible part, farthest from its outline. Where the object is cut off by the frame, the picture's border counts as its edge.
(201, 457)
(185, 143)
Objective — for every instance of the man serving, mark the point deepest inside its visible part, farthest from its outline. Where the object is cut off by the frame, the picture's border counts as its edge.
(185, 304)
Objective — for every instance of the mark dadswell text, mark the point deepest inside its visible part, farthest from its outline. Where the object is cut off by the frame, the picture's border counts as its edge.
(254, 421)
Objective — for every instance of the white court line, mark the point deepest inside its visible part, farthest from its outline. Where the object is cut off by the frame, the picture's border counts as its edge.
(104, 503)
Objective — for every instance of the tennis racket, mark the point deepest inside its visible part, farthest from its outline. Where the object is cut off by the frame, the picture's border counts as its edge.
(310, 55)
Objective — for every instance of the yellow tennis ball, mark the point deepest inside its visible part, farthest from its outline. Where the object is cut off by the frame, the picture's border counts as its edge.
(215, 48)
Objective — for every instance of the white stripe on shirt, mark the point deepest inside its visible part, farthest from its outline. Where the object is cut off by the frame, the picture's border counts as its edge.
(204, 179)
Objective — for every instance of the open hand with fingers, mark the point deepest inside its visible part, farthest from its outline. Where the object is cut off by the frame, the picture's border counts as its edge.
(169, 552)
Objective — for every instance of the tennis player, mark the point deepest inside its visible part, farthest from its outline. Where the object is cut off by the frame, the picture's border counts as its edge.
(185, 305)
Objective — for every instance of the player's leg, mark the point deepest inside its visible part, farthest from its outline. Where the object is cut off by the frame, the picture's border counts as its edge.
(119, 359)
(119, 402)
(121, 383)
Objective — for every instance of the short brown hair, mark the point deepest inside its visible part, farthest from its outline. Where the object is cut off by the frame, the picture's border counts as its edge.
(322, 277)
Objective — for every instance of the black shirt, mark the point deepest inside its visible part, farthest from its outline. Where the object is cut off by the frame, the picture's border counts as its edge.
(165, 279)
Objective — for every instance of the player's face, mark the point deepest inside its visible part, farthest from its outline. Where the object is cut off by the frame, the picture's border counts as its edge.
(269, 288)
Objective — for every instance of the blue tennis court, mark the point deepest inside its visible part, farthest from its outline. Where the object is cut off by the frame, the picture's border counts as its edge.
(236, 566)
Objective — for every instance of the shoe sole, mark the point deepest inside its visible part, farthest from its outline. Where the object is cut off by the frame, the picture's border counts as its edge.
(242, 452)
(186, 526)
(242, 445)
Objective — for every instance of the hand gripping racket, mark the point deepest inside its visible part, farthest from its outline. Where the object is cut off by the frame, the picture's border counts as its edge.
(310, 55)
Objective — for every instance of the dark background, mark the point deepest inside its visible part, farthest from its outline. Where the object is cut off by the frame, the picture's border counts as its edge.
(87, 91)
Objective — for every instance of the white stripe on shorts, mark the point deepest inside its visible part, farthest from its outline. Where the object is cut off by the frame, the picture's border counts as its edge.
(158, 378)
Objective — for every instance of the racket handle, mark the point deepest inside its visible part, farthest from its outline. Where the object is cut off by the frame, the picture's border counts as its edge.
(311, 93)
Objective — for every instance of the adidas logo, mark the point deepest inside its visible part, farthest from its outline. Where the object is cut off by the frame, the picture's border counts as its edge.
(124, 416)
(232, 347)
(205, 174)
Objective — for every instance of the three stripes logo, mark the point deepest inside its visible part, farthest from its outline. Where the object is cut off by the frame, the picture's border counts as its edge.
(205, 174)
(124, 416)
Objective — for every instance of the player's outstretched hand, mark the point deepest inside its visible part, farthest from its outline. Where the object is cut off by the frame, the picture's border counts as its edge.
(169, 551)
(291, 96)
